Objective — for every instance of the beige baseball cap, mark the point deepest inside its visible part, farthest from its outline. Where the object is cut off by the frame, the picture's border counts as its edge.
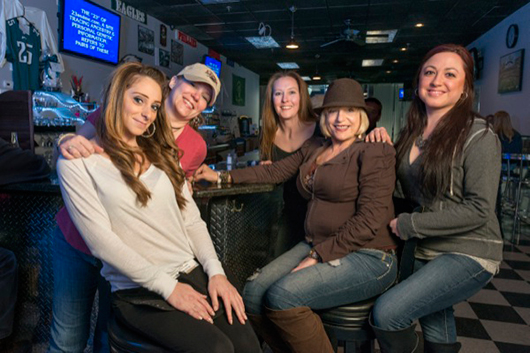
(202, 73)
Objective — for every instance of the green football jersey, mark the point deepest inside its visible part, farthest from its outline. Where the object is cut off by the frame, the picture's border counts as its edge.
(23, 51)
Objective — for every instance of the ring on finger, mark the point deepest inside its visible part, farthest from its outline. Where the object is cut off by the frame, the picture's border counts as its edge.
(69, 148)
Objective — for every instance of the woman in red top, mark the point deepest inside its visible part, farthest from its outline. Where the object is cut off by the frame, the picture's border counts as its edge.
(76, 271)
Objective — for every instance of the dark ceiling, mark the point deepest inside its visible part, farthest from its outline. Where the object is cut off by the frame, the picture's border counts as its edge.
(223, 26)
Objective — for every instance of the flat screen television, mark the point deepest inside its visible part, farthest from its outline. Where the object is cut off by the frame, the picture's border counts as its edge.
(89, 30)
(213, 64)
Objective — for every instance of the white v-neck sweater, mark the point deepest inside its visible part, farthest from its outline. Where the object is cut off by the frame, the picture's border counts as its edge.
(139, 246)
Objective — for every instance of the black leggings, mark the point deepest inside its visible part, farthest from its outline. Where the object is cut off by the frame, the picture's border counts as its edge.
(150, 315)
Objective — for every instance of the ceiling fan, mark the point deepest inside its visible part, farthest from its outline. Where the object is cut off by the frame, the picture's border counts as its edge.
(348, 35)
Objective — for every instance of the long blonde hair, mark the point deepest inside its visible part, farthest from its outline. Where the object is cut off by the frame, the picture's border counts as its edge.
(160, 149)
(271, 120)
(502, 125)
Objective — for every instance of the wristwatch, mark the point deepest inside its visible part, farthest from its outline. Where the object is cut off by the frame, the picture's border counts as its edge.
(314, 255)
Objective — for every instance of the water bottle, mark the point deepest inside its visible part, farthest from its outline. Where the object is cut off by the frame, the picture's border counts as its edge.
(14, 140)
(229, 161)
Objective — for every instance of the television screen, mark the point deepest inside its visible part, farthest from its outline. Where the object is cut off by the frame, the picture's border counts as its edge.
(401, 94)
(213, 64)
(90, 31)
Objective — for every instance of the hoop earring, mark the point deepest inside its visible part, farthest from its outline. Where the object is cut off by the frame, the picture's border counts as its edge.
(150, 134)
(462, 95)
(416, 92)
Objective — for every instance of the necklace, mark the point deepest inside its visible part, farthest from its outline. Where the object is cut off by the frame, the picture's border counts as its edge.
(176, 128)
(420, 142)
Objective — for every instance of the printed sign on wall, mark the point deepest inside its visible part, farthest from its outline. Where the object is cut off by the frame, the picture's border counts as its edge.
(238, 90)
(129, 11)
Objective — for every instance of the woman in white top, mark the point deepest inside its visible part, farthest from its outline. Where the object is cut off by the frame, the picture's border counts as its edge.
(135, 213)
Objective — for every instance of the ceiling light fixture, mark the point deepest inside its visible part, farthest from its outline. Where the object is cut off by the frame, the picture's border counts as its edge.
(288, 65)
(419, 25)
(395, 61)
(403, 49)
(317, 77)
(292, 43)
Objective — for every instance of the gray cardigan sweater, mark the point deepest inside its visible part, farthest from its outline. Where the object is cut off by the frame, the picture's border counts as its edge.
(463, 220)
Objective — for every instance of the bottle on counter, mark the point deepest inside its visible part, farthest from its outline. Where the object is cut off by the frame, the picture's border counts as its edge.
(14, 139)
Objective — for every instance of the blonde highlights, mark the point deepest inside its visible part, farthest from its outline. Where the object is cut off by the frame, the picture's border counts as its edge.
(160, 149)
(365, 122)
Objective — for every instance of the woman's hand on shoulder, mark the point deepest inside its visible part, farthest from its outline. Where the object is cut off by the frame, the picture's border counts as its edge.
(219, 286)
(379, 134)
(77, 147)
(265, 162)
(193, 303)
(205, 173)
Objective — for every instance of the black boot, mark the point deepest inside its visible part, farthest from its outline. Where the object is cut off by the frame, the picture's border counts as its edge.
(433, 347)
(402, 341)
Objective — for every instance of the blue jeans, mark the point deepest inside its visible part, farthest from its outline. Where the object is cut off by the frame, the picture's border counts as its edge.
(360, 275)
(76, 279)
(429, 295)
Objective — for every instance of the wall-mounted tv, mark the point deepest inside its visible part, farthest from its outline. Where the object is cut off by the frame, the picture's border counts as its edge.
(89, 30)
(213, 64)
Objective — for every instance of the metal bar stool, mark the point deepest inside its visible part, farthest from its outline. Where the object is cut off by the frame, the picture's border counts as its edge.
(523, 182)
(124, 340)
(348, 325)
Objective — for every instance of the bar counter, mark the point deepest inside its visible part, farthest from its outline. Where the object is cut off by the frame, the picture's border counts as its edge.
(242, 220)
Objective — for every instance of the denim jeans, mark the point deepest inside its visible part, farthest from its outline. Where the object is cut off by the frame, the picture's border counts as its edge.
(76, 279)
(359, 275)
(429, 295)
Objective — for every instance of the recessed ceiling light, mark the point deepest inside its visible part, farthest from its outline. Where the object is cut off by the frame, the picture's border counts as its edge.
(306, 78)
(317, 77)
(263, 42)
(403, 49)
(395, 61)
(419, 25)
(372, 62)
(288, 65)
(388, 72)
(386, 36)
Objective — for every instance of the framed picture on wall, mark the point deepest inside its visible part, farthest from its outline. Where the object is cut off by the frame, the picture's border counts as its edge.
(163, 57)
(238, 90)
(146, 40)
(511, 72)
(177, 52)
(163, 35)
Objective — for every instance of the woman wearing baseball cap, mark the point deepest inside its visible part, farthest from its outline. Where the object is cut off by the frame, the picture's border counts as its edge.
(76, 271)
(348, 253)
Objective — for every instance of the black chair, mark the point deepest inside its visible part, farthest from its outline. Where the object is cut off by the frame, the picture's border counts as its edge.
(348, 325)
(123, 340)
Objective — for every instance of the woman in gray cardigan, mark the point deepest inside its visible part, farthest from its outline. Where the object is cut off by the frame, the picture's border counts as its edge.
(348, 254)
(448, 161)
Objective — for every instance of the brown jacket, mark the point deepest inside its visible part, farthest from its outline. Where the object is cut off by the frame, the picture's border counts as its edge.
(351, 202)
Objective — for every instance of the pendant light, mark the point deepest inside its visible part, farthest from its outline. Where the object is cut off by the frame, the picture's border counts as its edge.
(292, 43)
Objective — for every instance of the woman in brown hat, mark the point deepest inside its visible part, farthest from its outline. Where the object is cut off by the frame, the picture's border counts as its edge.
(348, 254)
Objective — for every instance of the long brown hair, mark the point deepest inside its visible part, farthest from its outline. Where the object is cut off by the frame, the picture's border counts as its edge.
(271, 120)
(448, 138)
(502, 125)
(159, 149)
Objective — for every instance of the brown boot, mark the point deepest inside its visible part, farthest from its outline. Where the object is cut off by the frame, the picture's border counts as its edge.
(267, 331)
(301, 329)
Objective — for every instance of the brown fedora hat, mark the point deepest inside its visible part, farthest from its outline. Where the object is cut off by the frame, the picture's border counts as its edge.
(343, 92)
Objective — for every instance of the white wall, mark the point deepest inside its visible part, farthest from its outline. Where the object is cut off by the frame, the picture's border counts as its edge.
(492, 46)
(95, 74)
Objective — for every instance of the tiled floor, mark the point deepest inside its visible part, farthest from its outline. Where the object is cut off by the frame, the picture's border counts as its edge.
(497, 319)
